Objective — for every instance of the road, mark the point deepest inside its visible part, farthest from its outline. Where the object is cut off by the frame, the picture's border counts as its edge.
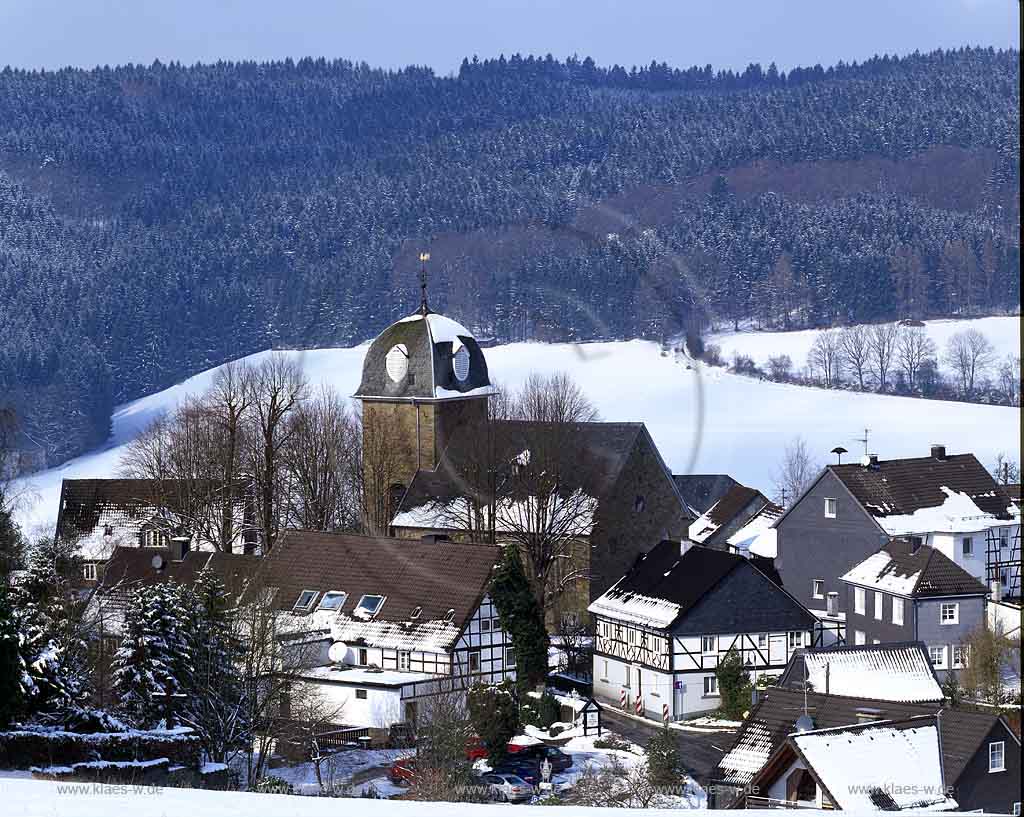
(700, 751)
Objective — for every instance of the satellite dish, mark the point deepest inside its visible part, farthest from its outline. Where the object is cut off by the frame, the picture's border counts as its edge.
(337, 652)
(158, 562)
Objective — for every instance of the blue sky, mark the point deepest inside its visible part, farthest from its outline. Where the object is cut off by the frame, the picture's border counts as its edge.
(725, 33)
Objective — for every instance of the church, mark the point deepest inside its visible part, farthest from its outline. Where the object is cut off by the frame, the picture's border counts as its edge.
(583, 500)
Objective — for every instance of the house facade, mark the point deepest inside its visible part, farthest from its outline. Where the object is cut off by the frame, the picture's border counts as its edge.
(910, 591)
(663, 628)
(379, 625)
(948, 501)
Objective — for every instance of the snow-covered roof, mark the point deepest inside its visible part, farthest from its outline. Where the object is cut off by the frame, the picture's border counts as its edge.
(739, 765)
(636, 609)
(511, 514)
(881, 767)
(756, 532)
(426, 636)
(906, 568)
(958, 513)
(876, 572)
(765, 543)
(884, 672)
(361, 676)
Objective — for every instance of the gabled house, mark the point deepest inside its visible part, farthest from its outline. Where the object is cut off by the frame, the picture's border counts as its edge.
(662, 629)
(888, 672)
(909, 591)
(734, 519)
(947, 501)
(391, 621)
(863, 768)
(701, 491)
(980, 752)
(96, 516)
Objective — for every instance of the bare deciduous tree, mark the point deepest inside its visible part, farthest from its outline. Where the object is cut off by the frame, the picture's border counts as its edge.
(882, 344)
(554, 398)
(913, 348)
(856, 345)
(825, 357)
(1009, 379)
(969, 354)
(795, 473)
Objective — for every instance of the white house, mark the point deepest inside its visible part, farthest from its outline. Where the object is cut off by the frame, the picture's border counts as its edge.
(386, 623)
(662, 629)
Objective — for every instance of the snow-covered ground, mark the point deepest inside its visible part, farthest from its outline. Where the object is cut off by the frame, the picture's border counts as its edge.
(1002, 332)
(703, 420)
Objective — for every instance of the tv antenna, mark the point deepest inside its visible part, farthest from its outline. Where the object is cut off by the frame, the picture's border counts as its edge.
(864, 440)
(424, 257)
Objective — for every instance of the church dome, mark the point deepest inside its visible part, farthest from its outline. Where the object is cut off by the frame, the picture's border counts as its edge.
(425, 356)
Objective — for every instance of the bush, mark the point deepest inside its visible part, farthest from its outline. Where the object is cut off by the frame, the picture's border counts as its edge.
(664, 765)
(541, 712)
(612, 741)
(23, 748)
(713, 355)
(733, 685)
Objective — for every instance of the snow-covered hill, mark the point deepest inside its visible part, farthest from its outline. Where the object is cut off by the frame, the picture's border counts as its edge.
(703, 420)
(1002, 332)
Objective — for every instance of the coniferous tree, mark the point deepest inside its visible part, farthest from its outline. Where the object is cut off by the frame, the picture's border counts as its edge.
(11, 666)
(664, 763)
(521, 617)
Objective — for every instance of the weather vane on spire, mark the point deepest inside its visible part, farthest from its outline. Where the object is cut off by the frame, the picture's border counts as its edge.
(424, 257)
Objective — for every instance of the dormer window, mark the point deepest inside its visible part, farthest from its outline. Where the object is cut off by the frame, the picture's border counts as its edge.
(108, 530)
(154, 538)
(304, 603)
(333, 600)
(449, 616)
(416, 612)
(368, 606)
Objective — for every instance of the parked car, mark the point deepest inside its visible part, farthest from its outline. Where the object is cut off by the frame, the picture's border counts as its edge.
(558, 759)
(475, 748)
(526, 768)
(508, 787)
(402, 770)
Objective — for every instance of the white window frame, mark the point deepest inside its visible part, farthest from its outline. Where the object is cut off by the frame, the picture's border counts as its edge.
(367, 612)
(1016, 809)
(831, 507)
(859, 637)
(363, 657)
(953, 606)
(897, 611)
(89, 571)
(404, 660)
(473, 657)
(961, 655)
(879, 605)
(860, 601)
(762, 640)
(339, 605)
(818, 588)
(1001, 745)
(710, 686)
(309, 605)
(713, 649)
(967, 546)
(795, 639)
(485, 625)
(941, 664)
(495, 624)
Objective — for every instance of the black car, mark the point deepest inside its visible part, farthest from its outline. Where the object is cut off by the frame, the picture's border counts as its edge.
(526, 768)
(558, 759)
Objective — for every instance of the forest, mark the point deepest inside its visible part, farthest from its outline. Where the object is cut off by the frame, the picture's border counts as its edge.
(158, 220)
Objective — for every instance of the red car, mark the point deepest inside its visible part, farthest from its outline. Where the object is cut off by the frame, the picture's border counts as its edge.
(403, 770)
(475, 749)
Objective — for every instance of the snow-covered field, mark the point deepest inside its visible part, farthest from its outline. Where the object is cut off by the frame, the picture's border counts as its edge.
(703, 420)
(1002, 332)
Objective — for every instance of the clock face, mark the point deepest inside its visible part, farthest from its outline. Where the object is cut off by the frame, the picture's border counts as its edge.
(460, 362)
(396, 362)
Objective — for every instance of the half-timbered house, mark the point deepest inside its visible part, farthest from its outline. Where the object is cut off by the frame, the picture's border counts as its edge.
(663, 628)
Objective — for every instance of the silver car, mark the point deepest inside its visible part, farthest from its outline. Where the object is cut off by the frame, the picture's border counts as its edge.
(508, 787)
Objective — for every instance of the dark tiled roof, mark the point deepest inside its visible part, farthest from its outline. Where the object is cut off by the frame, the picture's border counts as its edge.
(701, 491)
(1012, 491)
(764, 731)
(82, 500)
(436, 576)
(430, 362)
(129, 566)
(896, 487)
(939, 575)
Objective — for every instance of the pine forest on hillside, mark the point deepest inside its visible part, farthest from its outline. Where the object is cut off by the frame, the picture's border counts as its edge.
(156, 221)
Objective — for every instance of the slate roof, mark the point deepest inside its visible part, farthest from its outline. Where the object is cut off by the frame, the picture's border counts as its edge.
(901, 487)
(772, 720)
(919, 571)
(435, 576)
(735, 509)
(701, 491)
(671, 585)
(892, 672)
(83, 500)
(431, 342)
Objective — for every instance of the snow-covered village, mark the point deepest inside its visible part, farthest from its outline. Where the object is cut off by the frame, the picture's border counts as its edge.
(387, 432)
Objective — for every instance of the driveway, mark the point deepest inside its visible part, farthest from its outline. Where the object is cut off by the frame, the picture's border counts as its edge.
(700, 750)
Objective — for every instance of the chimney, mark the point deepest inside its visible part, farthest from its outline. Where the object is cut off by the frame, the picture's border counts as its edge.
(832, 603)
(939, 452)
(996, 588)
(179, 547)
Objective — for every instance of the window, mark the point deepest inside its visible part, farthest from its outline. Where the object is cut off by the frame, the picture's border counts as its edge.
(485, 625)
(404, 659)
(639, 504)
(796, 640)
(604, 675)
(949, 613)
(710, 685)
(876, 641)
(859, 601)
(997, 756)
(416, 611)
(510, 660)
(879, 601)
(363, 660)
(108, 530)
(361, 694)
(1016, 809)
(762, 640)
(154, 539)
(859, 637)
(897, 611)
(1004, 576)
(818, 588)
(495, 623)
(304, 602)
(368, 606)
(967, 546)
(707, 643)
(333, 600)
(474, 661)
(89, 571)
(830, 507)
(937, 655)
(959, 656)
(1004, 543)
(449, 615)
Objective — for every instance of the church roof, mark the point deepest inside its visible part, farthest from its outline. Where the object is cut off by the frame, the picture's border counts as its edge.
(424, 357)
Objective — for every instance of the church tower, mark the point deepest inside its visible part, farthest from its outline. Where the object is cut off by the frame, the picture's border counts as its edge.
(424, 379)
